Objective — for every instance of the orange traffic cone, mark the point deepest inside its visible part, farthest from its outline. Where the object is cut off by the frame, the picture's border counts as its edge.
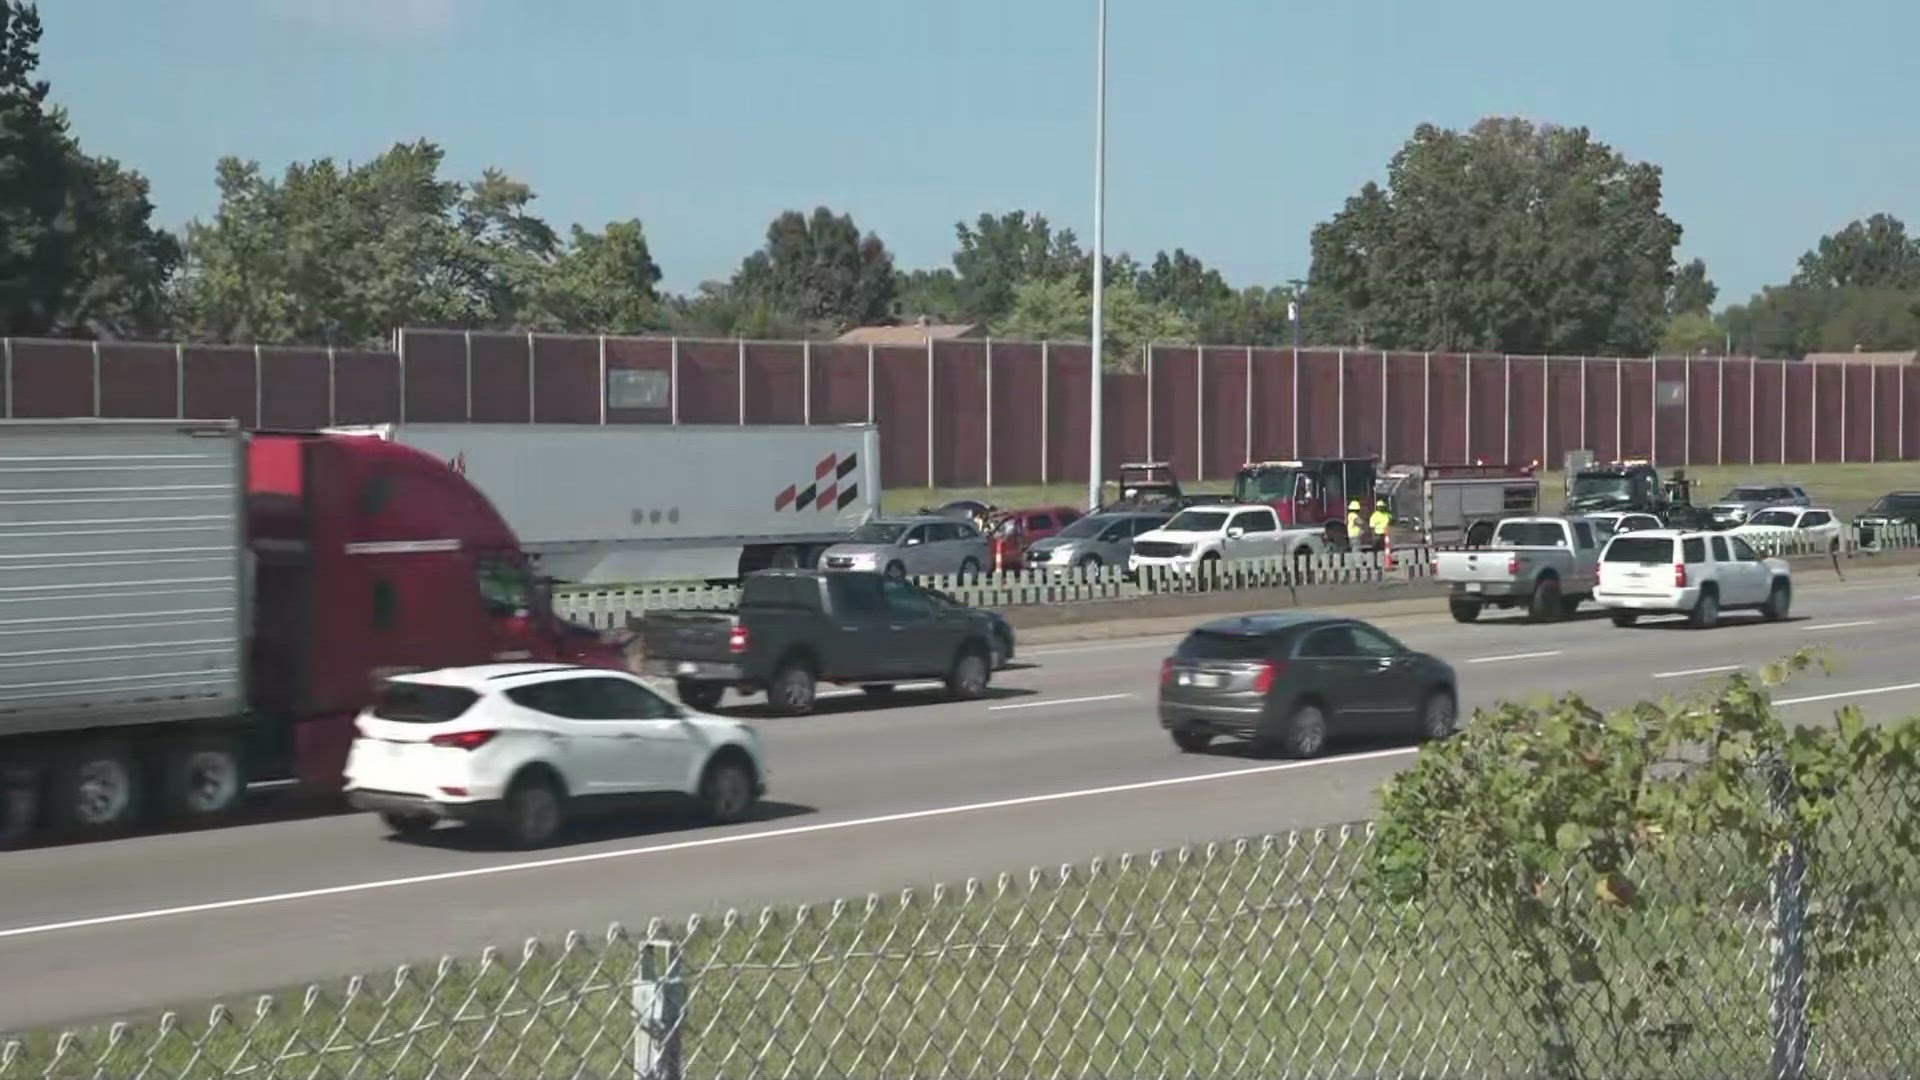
(1387, 541)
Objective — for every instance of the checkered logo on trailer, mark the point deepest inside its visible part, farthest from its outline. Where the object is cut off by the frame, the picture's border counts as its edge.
(831, 489)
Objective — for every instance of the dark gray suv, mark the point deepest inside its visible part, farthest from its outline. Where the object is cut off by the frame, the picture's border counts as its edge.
(1288, 681)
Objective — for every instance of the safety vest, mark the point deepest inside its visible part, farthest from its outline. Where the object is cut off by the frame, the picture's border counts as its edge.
(1382, 520)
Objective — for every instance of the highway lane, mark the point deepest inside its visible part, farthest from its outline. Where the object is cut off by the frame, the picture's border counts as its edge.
(1064, 763)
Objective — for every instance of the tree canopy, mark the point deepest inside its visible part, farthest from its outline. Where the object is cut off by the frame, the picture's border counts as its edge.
(1509, 237)
(820, 269)
(78, 253)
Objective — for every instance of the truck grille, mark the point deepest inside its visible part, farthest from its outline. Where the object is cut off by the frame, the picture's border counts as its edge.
(839, 562)
(1159, 549)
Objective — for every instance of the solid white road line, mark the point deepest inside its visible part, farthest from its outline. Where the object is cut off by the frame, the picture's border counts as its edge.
(704, 842)
(1870, 691)
(1696, 671)
(1840, 625)
(1514, 656)
(1058, 701)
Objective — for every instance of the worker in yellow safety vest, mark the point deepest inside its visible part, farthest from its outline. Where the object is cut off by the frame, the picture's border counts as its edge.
(1379, 523)
(1353, 521)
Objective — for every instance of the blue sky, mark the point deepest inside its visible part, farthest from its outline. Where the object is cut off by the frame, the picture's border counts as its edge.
(1234, 125)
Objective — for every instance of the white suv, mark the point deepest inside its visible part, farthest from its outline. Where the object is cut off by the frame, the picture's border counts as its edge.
(1696, 574)
(1217, 533)
(518, 748)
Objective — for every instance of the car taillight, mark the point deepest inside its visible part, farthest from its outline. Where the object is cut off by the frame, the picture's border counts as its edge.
(1263, 679)
(1513, 564)
(1166, 673)
(737, 639)
(1679, 576)
(464, 740)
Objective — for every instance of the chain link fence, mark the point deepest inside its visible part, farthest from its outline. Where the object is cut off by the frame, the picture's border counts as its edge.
(1267, 957)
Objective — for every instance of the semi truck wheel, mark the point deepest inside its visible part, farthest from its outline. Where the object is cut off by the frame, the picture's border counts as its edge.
(95, 789)
(202, 780)
(19, 806)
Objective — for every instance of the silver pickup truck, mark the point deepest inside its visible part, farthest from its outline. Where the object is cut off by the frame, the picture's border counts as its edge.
(1547, 565)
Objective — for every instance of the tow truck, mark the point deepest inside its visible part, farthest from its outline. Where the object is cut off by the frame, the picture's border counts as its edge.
(1634, 485)
(1151, 486)
(1311, 492)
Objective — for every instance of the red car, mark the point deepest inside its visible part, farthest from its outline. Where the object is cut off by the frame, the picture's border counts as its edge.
(1014, 530)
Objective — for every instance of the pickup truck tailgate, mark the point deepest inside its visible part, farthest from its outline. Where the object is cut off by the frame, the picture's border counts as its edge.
(688, 635)
(1482, 566)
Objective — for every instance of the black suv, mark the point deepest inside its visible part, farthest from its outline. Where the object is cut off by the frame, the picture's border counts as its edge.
(1288, 681)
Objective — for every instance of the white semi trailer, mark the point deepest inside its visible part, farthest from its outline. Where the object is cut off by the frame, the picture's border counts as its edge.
(610, 504)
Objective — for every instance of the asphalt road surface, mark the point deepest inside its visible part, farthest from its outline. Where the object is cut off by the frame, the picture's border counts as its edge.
(1063, 763)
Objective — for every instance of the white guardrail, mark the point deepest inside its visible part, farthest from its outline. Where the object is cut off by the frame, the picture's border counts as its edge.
(610, 607)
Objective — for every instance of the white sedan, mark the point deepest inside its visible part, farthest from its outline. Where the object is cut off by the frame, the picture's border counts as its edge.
(520, 748)
(1792, 529)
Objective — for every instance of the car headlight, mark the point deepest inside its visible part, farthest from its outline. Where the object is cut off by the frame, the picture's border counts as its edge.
(863, 560)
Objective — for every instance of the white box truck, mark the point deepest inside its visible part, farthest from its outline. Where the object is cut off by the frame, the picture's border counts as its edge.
(601, 505)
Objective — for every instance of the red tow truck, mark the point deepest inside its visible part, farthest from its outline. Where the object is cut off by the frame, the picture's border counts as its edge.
(1309, 492)
(190, 607)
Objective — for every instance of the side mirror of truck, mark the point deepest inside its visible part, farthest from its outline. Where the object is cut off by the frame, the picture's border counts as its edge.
(1236, 533)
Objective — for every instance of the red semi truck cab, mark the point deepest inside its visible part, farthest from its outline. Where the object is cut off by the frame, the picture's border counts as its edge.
(371, 558)
(1310, 492)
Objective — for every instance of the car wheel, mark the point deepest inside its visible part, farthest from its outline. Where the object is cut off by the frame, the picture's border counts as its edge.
(96, 789)
(878, 689)
(726, 791)
(1779, 602)
(1624, 619)
(1706, 611)
(1439, 715)
(969, 567)
(792, 690)
(201, 781)
(1305, 734)
(897, 570)
(1463, 611)
(408, 825)
(967, 679)
(1192, 742)
(1545, 605)
(700, 696)
(532, 812)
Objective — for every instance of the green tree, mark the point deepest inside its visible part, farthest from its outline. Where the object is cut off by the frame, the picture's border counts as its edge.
(1692, 332)
(1256, 315)
(78, 254)
(1185, 284)
(718, 310)
(1576, 842)
(602, 282)
(932, 293)
(999, 254)
(1692, 292)
(1508, 237)
(1061, 309)
(1875, 253)
(820, 269)
(1793, 320)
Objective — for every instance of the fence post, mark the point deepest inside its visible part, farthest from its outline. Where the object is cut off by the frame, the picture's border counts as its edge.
(8, 387)
(1466, 365)
(1846, 376)
(1583, 444)
(1506, 401)
(1384, 444)
(1426, 406)
(1686, 413)
(673, 381)
(930, 424)
(96, 376)
(659, 1011)
(1873, 415)
(1199, 412)
(1619, 411)
(1046, 406)
(989, 447)
(533, 380)
(1653, 410)
(601, 395)
(1340, 400)
(1787, 929)
(1296, 404)
(1720, 416)
(1546, 404)
(1151, 456)
(1783, 411)
(740, 383)
(179, 380)
(333, 388)
(259, 396)
(869, 384)
(806, 383)
(467, 337)
(1249, 402)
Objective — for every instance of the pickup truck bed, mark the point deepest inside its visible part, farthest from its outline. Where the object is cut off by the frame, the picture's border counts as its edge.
(1547, 565)
(796, 628)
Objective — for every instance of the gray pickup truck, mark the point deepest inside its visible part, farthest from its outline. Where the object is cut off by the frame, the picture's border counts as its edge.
(1547, 565)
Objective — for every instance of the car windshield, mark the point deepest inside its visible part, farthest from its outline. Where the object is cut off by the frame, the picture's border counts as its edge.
(1200, 521)
(1591, 487)
(1086, 528)
(1210, 645)
(1773, 517)
(1896, 504)
(1753, 494)
(1639, 549)
(1264, 485)
(1531, 534)
(875, 532)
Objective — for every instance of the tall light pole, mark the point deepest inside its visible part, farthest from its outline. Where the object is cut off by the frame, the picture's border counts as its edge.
(1099, 256)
